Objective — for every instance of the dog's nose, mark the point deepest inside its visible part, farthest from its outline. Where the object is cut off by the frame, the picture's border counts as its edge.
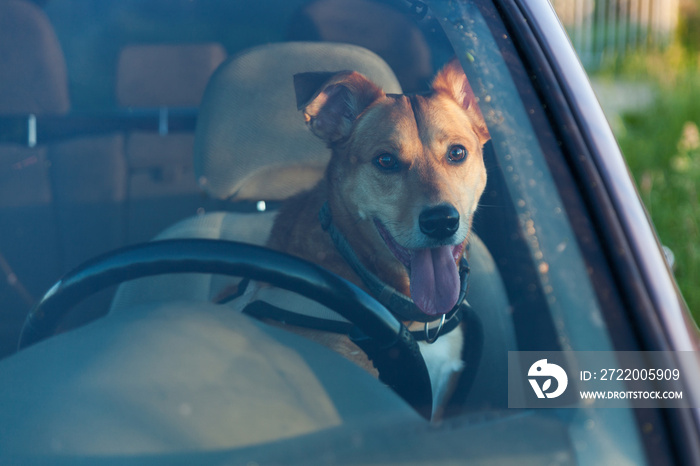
(439, 222)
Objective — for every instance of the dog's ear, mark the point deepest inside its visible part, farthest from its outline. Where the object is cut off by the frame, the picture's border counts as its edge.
(452, 81)
(332, 101)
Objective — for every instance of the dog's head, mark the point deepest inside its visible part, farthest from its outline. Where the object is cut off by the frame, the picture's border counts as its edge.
(405, 176)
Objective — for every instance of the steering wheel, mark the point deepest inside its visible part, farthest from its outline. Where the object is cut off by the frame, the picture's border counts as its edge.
(387, 342)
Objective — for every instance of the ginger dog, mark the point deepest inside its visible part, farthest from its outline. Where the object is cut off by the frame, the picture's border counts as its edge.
(403, 182)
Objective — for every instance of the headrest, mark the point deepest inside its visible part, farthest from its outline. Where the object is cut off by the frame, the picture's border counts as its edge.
(166, 75)
(251, 141)
(33, 76)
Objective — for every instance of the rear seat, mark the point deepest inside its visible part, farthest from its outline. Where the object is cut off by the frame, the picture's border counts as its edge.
(60, 203)
(161, 185)
(32, 81)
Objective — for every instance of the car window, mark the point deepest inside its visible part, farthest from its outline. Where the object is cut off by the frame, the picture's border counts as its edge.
(537, 263)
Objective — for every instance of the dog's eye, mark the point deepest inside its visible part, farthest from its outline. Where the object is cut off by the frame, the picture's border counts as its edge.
(387, 162)
(457, 154)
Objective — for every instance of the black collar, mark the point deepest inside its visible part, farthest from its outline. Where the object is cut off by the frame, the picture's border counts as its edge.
(264, 310)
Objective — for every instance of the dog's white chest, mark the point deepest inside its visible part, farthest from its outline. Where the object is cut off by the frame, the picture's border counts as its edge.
(443, 359)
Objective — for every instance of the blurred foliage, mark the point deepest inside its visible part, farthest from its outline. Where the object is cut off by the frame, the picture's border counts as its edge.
(662, 147)
(689, 25)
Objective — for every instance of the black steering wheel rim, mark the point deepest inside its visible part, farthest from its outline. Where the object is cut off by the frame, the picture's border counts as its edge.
(386, 341)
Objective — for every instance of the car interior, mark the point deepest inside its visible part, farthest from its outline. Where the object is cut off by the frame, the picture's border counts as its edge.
(82, 194)
(196, 134)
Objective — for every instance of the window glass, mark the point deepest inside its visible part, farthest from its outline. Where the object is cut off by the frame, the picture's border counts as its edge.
(129, 184)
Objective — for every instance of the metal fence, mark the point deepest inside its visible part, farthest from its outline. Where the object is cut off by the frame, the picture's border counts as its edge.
(606, 30)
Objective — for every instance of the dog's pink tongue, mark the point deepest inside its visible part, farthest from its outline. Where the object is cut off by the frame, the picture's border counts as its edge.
(434, 280)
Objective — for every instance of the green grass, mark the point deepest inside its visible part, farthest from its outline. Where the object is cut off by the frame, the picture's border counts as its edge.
(662, 147)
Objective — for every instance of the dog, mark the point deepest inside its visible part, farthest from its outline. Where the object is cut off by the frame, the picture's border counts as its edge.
(403, 182)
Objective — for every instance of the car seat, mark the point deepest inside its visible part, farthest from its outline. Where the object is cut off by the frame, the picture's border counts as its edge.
(170, 78)
(59, 200)
(33, 81)
(252, 145)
